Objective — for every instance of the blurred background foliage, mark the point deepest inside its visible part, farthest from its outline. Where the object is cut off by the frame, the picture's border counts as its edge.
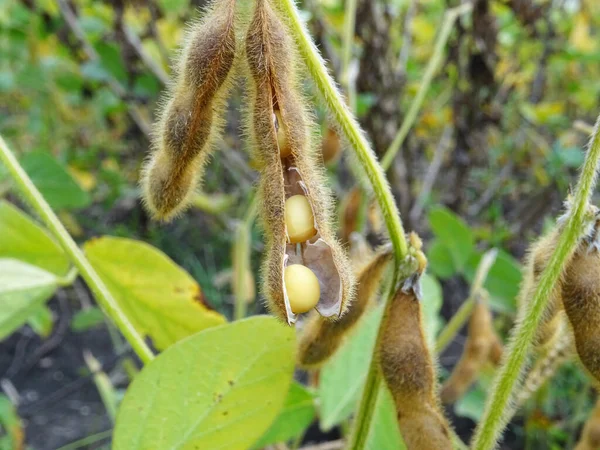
(499, 137)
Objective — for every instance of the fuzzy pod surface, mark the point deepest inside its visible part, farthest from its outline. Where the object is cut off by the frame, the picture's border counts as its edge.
(191, 114)
(321, 337)
(277, 106)
(581, 301)
(590, 435)
(409, 372)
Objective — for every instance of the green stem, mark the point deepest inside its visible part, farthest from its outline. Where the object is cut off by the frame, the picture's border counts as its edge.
(102, 294)
(494, 418)
(348, 125)
(464, 312)
(241, 260)
(347, 41)
(432, 66)
(88, 440)
(68, 279)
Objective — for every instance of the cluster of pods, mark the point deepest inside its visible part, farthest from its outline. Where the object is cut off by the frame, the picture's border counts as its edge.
(305, 266)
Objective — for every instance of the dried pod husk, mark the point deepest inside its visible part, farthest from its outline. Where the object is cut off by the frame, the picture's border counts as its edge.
(350, 212)
(277, 106)
(476, 353)
(581, 300)
(409, 372)
(321, 337)
(590, 435)
(331, 146)
(191, 115)
(536, 261)
(496, 350)
(546, 366)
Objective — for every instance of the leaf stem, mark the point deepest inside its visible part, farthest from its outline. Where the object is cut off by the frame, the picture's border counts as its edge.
(449, 18)
(494, 418)
(102, 294)
(347, 41)
(241, 260)
(464, 312)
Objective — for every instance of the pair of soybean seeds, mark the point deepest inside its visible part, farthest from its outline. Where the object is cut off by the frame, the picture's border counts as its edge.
(305, 266)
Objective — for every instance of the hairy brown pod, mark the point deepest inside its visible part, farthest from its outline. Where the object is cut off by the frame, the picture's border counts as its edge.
(191, 115)
(321, 338)
(590, 435)
(277, 118)
(581, 300)
(409, 372)
(477, 352)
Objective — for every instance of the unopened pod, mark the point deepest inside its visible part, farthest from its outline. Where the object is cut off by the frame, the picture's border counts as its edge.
(590, 435)
(409, 372)
(321, 337)
(481, 346)
(295, 202)
(191, 115)
(581, 300)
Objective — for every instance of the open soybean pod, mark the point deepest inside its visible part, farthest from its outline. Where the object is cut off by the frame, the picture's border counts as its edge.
(305, 266)
(321, 338)
(192, 112)
(409, 372)
(581, 300)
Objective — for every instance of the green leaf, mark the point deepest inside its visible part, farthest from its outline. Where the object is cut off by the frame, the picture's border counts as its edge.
(87, 318)
(440, 260)
(218, 389)
(432, 303)
(503, 281)
(21, 238)
(56, 184)
(11, 422)
(23, 288)
(454, 233)
(41, 321)
(342, 378)
(160, 298)
(297, 414)
(384, 432)
(471, 404)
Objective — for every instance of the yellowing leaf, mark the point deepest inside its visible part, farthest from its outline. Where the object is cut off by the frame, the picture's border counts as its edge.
(580, 37)
(86, 179)
(159, 297)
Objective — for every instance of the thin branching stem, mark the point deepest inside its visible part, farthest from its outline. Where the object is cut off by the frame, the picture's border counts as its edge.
(347, 45)
(101, 292)
(241, 260)
(432, 66)
(461, 316)
(494, 418)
